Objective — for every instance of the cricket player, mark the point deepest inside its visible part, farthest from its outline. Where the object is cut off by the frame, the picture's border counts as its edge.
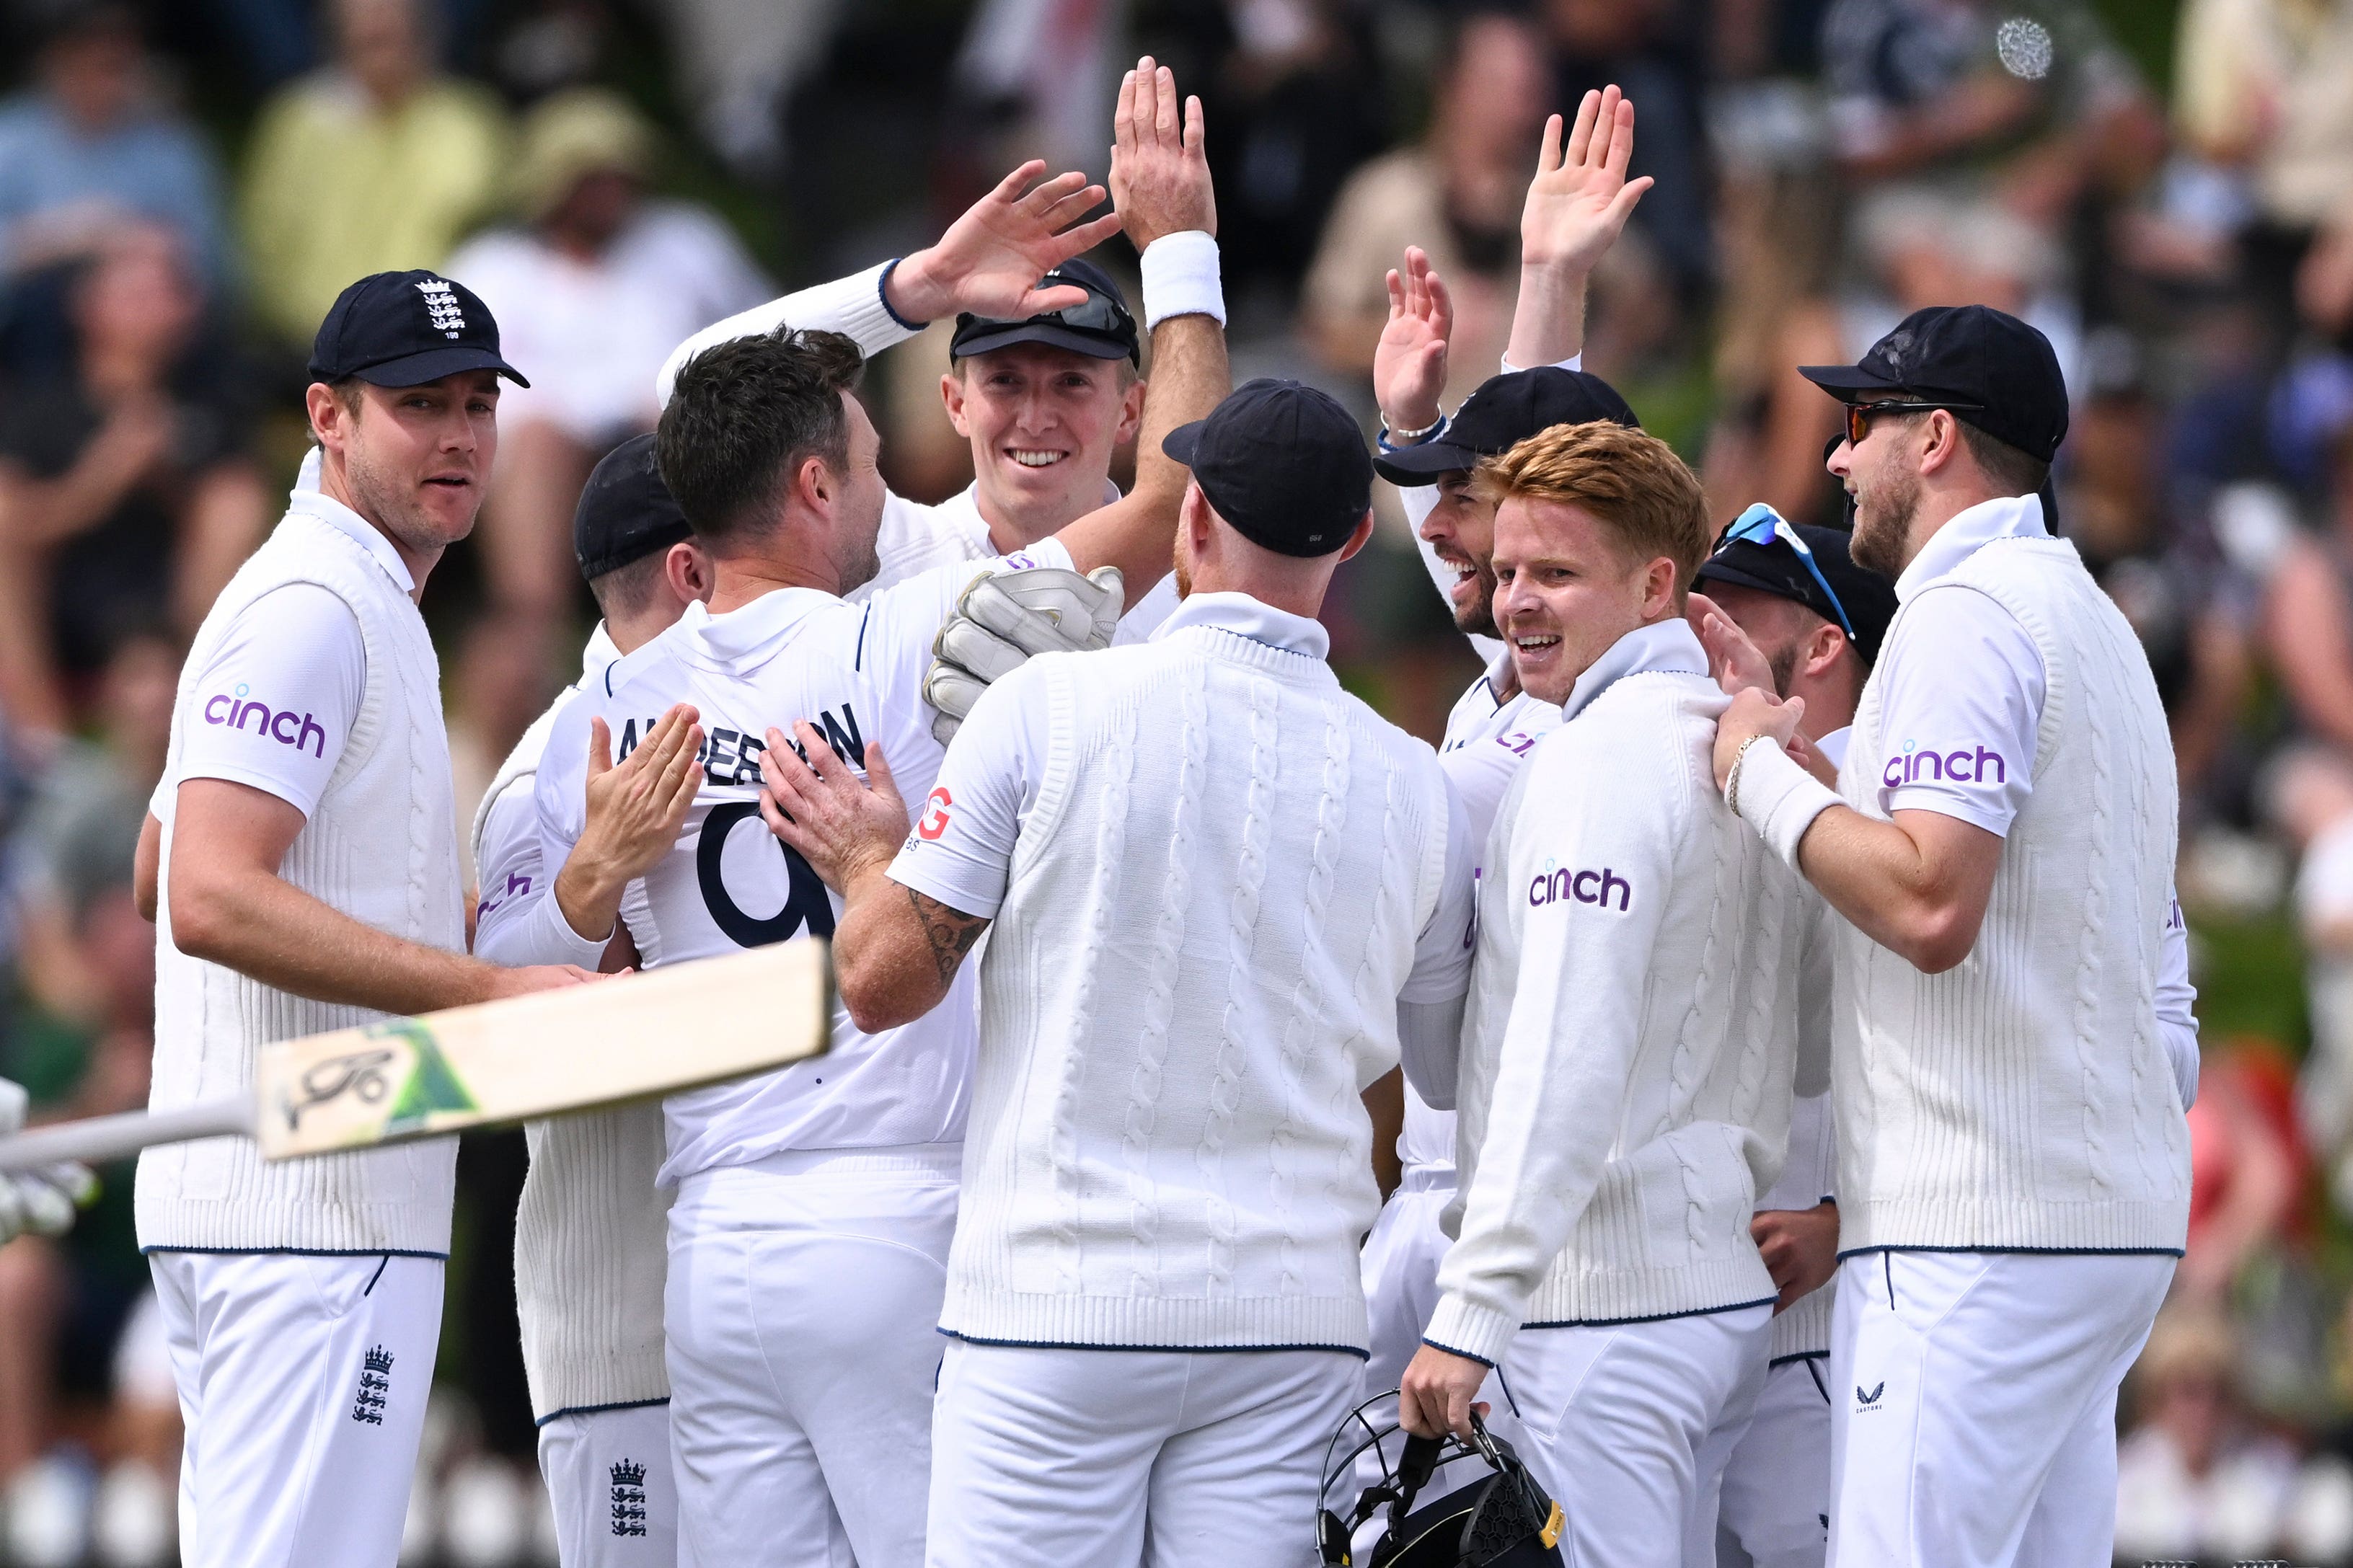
(1218, 888)
(1044, 399)
(2013, 1156)
(1626, 1065)
(304, 845)
(813, 1206)
(589, 1230)
(1793, 609)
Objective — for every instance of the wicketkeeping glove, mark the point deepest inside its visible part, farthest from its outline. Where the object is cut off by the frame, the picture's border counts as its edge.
(1005, 615)
(42, 1201)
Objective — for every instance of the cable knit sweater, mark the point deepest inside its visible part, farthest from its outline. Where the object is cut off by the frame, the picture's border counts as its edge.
(1625, 1081)
(381, 846)
(2024, 1099)
(1213, 904)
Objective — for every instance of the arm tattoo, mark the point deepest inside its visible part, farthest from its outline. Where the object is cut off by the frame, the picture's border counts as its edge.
(951, 933)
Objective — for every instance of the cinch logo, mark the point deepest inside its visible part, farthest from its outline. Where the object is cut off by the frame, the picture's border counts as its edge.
(1961, 767)
(934, 820)
(1551, 886)
(239, 714)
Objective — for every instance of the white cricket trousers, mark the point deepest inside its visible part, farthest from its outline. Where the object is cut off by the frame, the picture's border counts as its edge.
(1628, 1426)
(1776, 1498)
(1399, 1266)
(1974, 1405)
(1052, 1457)
(802, 1319)
(303, 1380)
(608, 1480)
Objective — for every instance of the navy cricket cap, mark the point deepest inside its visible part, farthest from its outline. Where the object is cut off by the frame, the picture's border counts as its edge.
(1282, 462)
(1505, 411)
(405, 329)
(1998, 373)
(1774, 568)
(1099, 327)
(626, 512)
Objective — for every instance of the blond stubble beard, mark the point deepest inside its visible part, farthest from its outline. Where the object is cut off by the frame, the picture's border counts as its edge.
(1883, 511)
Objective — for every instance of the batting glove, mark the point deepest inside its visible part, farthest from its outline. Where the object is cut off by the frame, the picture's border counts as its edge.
(1003, 617)
(42, 1201)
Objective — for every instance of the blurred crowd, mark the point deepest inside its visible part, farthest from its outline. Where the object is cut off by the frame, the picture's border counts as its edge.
(2164, 186)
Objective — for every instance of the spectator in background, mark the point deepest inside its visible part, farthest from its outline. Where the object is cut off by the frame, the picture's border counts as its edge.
(2259, 91)
(2112, 507)
(93, 145)
(127, 496)
(1456, 194)
(90, 966)
(377, 163)
(593, 292)
(2195, 1478)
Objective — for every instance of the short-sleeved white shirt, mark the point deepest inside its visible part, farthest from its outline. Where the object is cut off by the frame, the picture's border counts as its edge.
(275, 703)
(1961, 689)
(855, 671)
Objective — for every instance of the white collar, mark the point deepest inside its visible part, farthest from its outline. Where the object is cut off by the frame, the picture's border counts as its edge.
(1245, 617)
(1497, 673)
(731, 634)
(1668, 647)
(1966, 532)
(326, 509)
(597, 654)
(966, 502)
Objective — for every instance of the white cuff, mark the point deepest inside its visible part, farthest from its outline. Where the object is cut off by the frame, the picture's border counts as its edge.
(1180, 278)
(1574, 362)
(1779, 798)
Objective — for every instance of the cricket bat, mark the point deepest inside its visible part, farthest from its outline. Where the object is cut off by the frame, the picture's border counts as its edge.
(629, 1037)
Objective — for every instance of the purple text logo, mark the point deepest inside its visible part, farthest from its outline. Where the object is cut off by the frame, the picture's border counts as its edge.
(1552, 886)
(1982, 765)
(282, 725)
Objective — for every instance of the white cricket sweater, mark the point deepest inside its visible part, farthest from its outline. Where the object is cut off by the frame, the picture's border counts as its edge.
(381, 846)
(2025, 1100)
(1628, 1055)
(1193, 976)
(591, 1255)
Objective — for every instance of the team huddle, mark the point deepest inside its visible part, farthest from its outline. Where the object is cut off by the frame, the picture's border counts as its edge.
(1777, 965)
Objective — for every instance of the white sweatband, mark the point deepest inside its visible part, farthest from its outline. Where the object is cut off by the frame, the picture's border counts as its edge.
(1779, 798)
(1180, 278)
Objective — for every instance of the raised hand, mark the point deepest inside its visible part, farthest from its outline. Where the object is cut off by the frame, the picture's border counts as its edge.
(1576, 206)
(1580, 198)
(635, 809)
(1159, 178)
(990, 261)
(1733, 659)
(1409, 361)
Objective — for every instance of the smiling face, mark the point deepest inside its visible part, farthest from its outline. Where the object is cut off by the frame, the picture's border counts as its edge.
(1461, 530)
(1043, 423)
(414, 460)
(1566, 589)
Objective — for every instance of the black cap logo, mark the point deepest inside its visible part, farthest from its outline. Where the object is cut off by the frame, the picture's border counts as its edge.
(441, 307)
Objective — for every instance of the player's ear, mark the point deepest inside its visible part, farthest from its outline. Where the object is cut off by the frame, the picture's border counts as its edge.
(1359, 536)
(1660, 579)
(952, 396)
(1131, 411)
(1823, 648)
(813, 484)
(687, 570)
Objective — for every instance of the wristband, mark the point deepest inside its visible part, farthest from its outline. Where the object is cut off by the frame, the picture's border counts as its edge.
(883, 292)
(1777, 797)
(1398, 440)
(1180, 278)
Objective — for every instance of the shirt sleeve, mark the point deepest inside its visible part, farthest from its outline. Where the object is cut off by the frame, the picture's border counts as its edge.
(960, 849)
(1964, 705)
(1552, 1093)
(852, 306)
(536, 931)
(2176, 999)
(273, 707)
(507, 858)
(1442, 955)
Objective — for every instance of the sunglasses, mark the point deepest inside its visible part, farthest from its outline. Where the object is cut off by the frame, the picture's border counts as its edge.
(1095, 313)
(1761, 525)
(1858, 414)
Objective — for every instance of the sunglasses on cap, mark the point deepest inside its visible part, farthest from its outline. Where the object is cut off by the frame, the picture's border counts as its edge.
(1858, 414)
(1761, 525)
(1095, 313)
